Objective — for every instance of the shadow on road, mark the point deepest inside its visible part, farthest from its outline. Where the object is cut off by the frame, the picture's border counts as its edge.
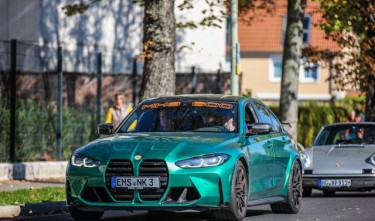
(172, 216)
(346, 194)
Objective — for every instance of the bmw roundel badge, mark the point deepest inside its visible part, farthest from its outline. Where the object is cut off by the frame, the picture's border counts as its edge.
(137, 157)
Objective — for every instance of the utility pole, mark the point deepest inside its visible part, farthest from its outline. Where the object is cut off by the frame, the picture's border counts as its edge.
(59, 103)
(234, 47)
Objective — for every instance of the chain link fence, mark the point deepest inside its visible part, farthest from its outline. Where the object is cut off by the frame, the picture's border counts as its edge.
(29, 96)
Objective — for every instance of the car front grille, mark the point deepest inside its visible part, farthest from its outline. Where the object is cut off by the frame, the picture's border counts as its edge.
(150, 168)
(156, 168)
(119, 168)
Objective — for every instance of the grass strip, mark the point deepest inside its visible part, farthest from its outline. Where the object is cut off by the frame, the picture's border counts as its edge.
(25, 196)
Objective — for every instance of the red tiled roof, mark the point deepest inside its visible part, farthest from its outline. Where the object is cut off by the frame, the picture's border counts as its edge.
(264, 33)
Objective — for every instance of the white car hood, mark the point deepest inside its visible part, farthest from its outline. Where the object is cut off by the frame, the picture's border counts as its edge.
(344, 159)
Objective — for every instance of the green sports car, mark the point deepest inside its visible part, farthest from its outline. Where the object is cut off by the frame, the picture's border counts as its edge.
(188, 152)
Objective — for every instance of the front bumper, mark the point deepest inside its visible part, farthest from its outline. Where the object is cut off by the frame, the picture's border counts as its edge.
(358, 182)
(198, 189)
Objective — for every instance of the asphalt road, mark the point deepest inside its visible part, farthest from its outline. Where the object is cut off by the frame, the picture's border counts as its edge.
(343, 206)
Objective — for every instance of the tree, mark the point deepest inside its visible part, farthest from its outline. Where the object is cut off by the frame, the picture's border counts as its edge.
(159, 28)
(159, 44)
(290, 66)
(352, 25)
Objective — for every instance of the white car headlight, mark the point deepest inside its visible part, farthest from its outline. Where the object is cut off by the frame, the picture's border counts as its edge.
(203, 161)
(306, 161)
(79, 161)
(371, 159)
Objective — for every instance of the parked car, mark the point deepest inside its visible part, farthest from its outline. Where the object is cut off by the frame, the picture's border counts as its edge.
(342, 158)
(201, 152)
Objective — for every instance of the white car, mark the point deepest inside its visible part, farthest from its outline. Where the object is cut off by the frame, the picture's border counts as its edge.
(342, 158)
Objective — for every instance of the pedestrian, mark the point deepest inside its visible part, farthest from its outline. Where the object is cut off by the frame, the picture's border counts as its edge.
(119, 110)
(361, 115)
(352, 117)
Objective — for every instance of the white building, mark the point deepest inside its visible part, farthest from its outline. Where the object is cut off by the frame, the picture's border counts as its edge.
(113, 27)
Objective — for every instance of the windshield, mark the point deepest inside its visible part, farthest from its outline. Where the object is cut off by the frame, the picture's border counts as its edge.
(346, 134)
(183, 116)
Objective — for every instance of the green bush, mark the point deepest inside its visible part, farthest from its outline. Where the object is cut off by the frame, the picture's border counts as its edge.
(36, 130)
(312, 116)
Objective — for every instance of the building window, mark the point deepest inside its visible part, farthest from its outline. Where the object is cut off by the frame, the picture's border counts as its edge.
(306, 29)
(308, 72)
(275, 68)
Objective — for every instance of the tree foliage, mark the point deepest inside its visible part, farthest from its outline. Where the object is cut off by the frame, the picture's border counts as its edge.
(352, 25)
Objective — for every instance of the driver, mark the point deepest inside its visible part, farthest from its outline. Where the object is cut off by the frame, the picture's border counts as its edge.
(230, 123)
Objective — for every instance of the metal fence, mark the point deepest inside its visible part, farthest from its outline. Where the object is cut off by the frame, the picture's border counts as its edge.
(51, 99)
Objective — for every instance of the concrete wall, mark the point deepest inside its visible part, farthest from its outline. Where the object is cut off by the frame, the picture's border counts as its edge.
(33, 171)
(203, 47)
(113, 27)
(19, 20)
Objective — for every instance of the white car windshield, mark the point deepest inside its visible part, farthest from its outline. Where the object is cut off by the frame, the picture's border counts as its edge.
(347, 134)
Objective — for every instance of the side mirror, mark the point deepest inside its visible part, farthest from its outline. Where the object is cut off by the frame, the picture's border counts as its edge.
(259, 128)
(105, 129)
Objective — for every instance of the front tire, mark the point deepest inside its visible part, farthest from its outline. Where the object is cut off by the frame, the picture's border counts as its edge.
(237, 208)
(78, 214)
(294, 197)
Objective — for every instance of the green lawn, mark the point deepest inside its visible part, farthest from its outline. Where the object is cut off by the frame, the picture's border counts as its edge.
(24, 196)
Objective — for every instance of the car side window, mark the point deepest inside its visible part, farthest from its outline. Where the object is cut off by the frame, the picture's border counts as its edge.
(263, 113)
(276, 123)
(249, 116)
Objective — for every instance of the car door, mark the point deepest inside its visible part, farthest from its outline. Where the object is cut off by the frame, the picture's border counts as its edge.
(281, 146)
(261, 163)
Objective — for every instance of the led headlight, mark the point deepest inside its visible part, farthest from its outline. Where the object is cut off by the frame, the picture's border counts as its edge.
(203, 161)
(79, 161)
(371, 159)
(306, 162)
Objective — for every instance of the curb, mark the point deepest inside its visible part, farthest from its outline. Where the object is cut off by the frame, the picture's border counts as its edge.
(32, 209)
(33, 171)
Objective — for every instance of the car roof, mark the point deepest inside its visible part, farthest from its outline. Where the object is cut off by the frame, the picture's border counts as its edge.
(200, 97)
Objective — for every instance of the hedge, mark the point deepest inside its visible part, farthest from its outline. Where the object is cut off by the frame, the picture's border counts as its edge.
(312, 116)
(36, 130)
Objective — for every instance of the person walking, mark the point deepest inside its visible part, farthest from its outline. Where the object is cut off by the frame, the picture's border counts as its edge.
(119, 110)
(352, 117)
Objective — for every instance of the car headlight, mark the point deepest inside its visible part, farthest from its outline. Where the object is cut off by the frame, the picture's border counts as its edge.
(371, 159)
(203, 161)
(306, 162)
(82, 161)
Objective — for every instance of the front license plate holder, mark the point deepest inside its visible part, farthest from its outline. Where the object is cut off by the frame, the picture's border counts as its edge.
(141, 182)
(334, 182)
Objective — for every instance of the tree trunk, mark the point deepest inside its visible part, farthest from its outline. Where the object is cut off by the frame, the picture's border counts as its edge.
(291, 63)
(159, 47)
(370, 100)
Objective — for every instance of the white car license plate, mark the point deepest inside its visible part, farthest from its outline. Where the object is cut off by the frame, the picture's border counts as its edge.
(335, 183)
(135, 182)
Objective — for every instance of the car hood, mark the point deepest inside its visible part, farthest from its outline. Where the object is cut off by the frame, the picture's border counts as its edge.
(344, 159)
(168, 146)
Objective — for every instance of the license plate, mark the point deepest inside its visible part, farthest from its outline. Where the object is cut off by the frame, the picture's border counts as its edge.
(135, 182)
(335, 183)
